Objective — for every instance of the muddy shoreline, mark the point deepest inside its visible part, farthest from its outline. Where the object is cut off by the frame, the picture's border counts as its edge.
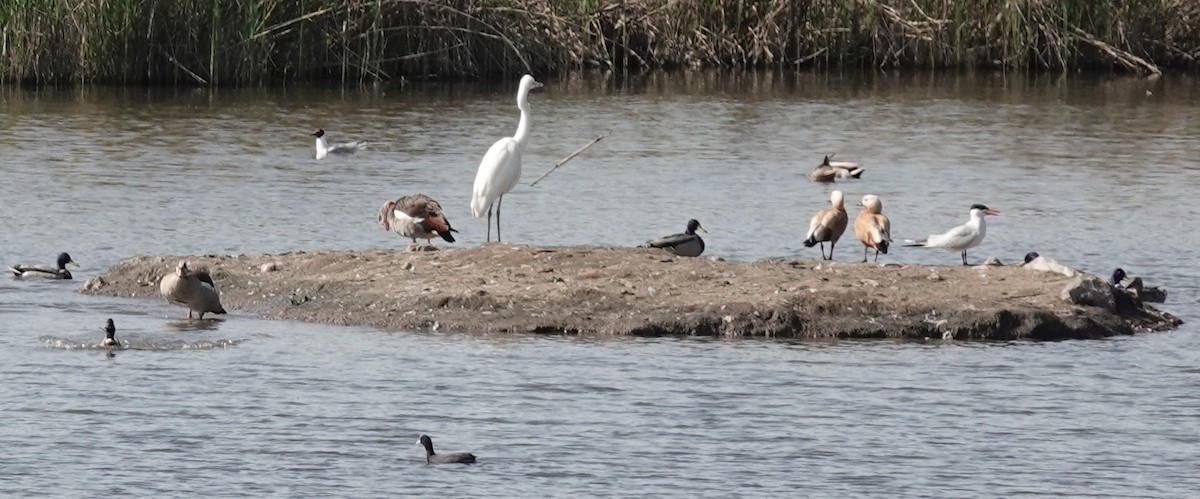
(598, 290)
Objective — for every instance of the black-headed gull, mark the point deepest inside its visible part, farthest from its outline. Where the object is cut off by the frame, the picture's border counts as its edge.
(323, 148)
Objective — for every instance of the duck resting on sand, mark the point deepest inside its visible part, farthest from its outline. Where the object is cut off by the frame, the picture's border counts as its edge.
(1136, 288)
(416, 216)
(193, 289)
(686, 244)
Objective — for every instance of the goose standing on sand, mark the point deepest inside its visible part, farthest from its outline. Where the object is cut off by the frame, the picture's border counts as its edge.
(416, 216)
(500, 168)
(323, 148)
(828, 225)
(435, 458)
(45, 271)
(828, 171)
(193, 289)
(110, 335)
(963, 237)
(1135, 286)
(686, 244)
(872, 227)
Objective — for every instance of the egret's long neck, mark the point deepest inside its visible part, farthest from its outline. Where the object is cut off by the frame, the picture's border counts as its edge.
(523, 125)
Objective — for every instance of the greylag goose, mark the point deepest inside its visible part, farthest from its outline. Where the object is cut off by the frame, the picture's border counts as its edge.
(686, 244)
(828, 225)
(432, 457)
(963, 237)
(416, 216)
(45, 271)
(872, 227)
(500, 168)
(193, 289)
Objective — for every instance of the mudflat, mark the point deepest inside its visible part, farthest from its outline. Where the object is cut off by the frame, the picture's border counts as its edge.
(601, 290)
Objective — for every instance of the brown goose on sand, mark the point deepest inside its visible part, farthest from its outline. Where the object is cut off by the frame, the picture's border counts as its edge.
(193, 289)
(828, 225)
(417, 217)
(45, 271)
(872, 227)
(828, 171)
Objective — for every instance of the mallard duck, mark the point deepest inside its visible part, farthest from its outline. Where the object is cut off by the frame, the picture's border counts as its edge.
(192, 289)
(416, 216)
(1135, 287)
(686, 244)
(872, 227)
(110, 335)
(43, 271)
(450, 458)
(828, 171)
(323, 148)
(963, 237)
(828, 225)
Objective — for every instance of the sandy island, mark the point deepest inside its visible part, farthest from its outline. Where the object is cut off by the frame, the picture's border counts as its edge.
(597, 290)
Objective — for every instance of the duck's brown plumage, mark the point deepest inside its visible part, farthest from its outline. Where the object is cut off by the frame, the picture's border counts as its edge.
(417, 217)
(828, 225)
(872, 227)
(193, 289)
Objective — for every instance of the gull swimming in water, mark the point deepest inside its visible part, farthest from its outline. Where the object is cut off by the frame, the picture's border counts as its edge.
(323, 148)
(963, 237)
(45, 271)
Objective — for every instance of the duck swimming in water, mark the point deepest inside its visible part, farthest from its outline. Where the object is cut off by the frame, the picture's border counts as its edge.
(450, 458)
(828, 171)
(110, 335)
(45, 271)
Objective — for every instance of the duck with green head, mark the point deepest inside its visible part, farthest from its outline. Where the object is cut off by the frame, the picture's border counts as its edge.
(45, 271)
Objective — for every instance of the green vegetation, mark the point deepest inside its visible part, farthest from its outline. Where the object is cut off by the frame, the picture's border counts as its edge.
(210, 42)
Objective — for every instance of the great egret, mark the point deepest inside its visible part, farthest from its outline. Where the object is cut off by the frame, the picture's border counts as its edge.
(416, 216)
(501, 166)
(872, 227)
(687, 244)
(963, 237)
(323, 148)
(192, 289)
(828, 225)
(45, 271)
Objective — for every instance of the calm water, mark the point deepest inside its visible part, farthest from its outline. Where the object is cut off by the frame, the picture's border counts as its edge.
(1095, 172)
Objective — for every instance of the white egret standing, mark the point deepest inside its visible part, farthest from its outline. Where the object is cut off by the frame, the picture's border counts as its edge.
(501, 166)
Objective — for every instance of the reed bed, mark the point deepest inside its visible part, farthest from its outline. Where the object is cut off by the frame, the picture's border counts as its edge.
(215, 42)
